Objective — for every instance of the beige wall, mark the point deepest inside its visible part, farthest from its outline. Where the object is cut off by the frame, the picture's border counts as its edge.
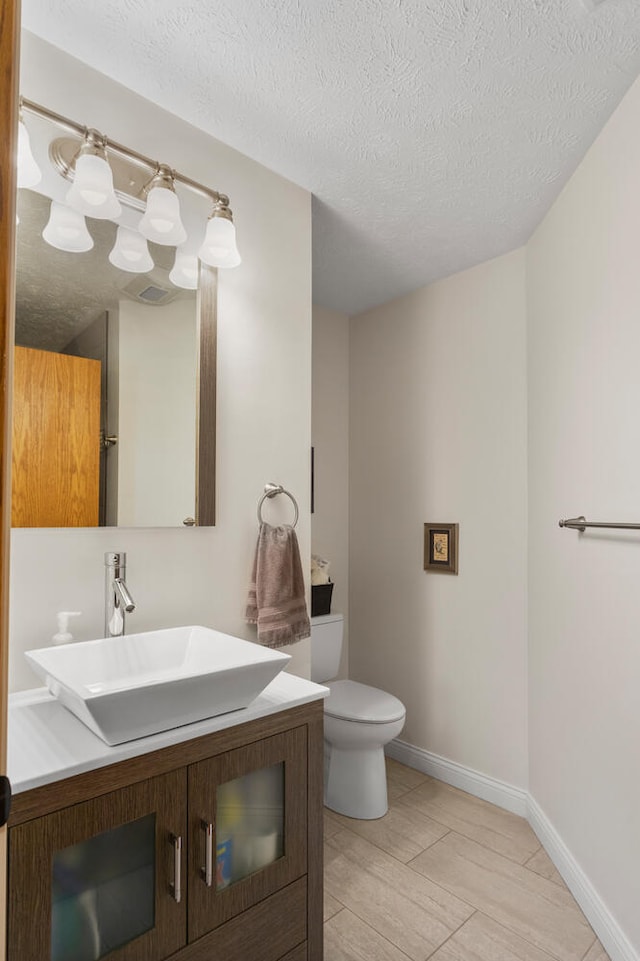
(584, 444)
(180, 576)
(438, 433)
(330, 437)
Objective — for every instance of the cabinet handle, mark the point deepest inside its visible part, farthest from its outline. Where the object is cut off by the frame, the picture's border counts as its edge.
(206, 873)
(176, 887)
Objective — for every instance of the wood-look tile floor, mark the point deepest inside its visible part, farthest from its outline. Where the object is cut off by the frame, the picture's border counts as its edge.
(446, 876)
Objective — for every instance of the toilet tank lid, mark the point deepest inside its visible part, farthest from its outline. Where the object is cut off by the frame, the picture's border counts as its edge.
(353, 701)
(326, 618)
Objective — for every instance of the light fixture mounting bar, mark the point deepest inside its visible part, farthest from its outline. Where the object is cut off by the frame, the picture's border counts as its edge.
(153, 165)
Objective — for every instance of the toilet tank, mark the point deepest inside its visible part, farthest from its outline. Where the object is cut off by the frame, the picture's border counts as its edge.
(326, 646)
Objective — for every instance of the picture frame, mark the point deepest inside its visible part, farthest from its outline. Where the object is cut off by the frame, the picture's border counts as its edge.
(441, 548)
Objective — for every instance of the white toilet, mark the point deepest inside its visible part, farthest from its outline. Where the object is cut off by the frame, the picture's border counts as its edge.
(358, 721)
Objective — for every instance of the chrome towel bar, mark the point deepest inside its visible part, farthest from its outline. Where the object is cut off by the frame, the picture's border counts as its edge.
(581, 524)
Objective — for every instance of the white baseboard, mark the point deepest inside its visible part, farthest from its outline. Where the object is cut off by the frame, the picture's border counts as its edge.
(612, 937)
(480, 785)
(519, 801)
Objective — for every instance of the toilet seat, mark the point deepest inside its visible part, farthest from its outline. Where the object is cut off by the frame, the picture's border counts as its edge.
(352, 701)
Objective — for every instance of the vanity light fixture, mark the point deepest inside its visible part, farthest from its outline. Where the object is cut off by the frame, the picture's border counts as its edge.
(92, 193)
(219, 248)
(161, 221)
(67, 229)
(131, 252)
(184, 272)
(29, 173)
(101, 183)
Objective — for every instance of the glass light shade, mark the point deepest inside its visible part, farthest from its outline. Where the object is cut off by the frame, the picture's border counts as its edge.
(185, 270)
(231, 260)
(29, 173)
(161, 221)
(130, 252)
(92, 193)
(67, 229)
(219, 248)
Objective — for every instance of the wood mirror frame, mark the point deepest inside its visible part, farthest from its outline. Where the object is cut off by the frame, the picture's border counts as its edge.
(206, 397)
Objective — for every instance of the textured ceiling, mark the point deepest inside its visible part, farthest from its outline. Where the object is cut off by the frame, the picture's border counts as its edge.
(434, 134)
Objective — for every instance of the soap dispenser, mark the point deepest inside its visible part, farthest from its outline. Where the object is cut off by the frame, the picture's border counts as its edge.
(63, 636)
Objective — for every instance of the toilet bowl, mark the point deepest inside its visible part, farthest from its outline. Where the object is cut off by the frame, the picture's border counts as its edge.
(358, 721)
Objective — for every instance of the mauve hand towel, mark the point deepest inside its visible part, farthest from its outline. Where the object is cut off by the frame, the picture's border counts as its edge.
(276, 601)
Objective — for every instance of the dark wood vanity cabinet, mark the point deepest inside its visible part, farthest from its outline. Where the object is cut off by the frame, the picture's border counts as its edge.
(208, 849)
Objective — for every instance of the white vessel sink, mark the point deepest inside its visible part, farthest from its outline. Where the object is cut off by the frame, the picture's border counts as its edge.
(128, 687)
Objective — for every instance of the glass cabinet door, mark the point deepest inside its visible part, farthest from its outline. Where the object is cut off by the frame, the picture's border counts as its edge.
(248, 824)
(247, 827)
(98, 880)
(103, 891)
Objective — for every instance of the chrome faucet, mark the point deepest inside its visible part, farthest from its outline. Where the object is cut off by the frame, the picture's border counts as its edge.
(117, 598)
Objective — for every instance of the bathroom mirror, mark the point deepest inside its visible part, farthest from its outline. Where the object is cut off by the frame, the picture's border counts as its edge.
(125, 364)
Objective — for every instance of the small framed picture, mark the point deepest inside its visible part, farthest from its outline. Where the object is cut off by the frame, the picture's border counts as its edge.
(441, 548)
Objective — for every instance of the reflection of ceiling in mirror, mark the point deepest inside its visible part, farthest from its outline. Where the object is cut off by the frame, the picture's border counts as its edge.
(58, 294)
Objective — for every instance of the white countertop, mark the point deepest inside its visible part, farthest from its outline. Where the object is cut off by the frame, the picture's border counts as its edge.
(47, 743)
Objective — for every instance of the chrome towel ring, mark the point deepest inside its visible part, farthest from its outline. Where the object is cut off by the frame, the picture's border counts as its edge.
(272, 490)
